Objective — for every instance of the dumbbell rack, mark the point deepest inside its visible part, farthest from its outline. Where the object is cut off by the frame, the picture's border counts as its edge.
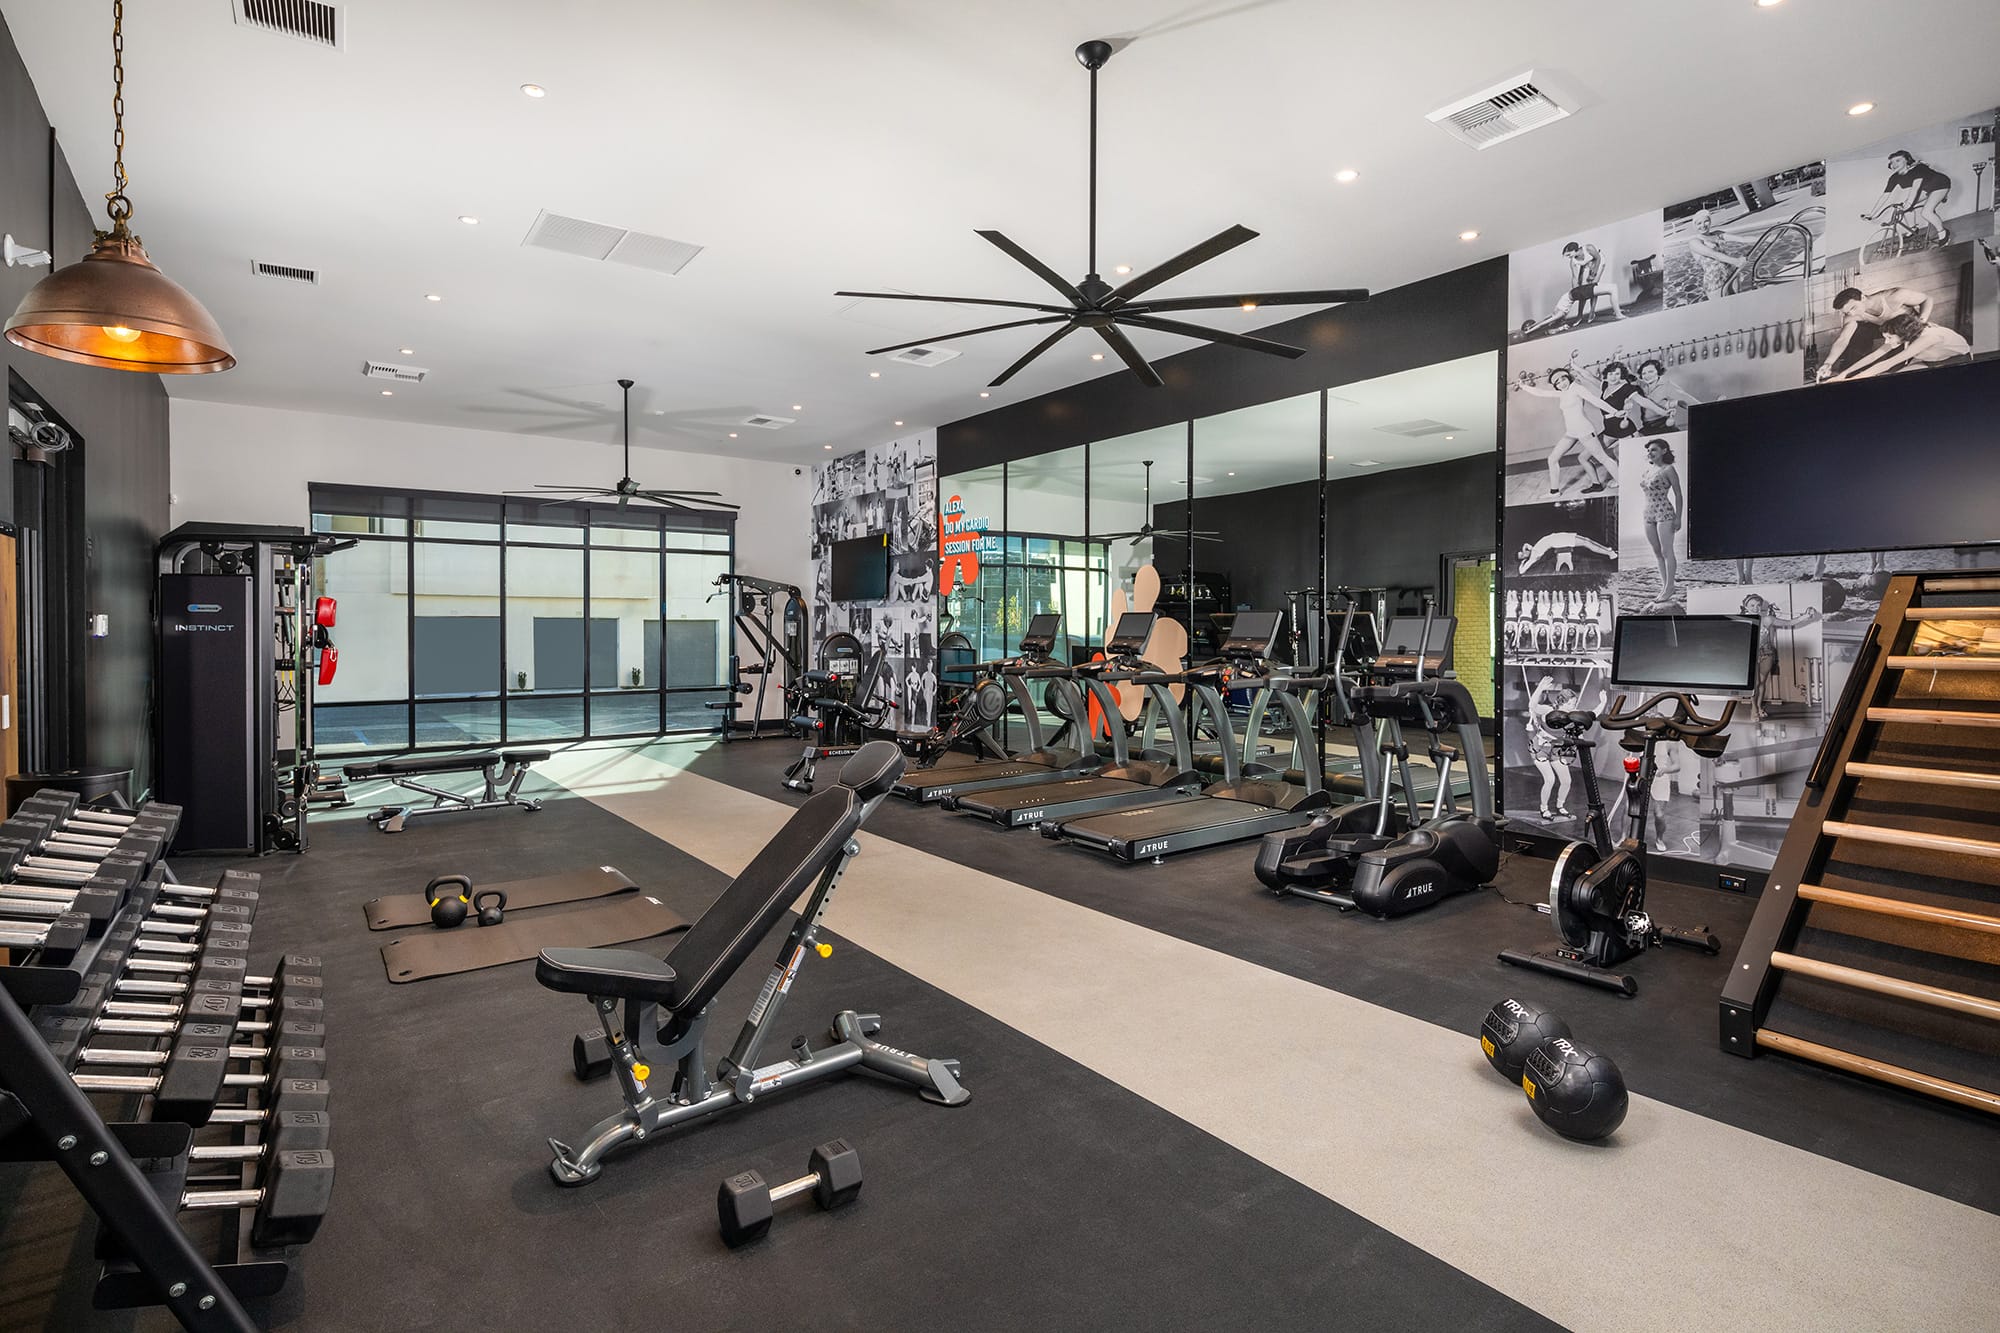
(131, 1175)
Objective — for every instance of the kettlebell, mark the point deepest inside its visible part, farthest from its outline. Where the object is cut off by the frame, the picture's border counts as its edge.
(491, 905)
(448, 906)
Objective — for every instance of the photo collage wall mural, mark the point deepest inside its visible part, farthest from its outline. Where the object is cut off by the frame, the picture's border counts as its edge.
(889, 488)
(1882, 261)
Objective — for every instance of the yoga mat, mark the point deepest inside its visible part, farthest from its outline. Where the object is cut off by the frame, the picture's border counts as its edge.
(571, 886)
(470, 947)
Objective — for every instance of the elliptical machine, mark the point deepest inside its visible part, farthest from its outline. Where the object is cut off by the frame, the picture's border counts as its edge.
(1597, 892)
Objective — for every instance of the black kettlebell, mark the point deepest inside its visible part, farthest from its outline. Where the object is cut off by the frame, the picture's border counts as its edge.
(491, 905)
(448, 907)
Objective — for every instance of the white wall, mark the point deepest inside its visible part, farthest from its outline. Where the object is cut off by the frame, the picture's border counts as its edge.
(237, 464)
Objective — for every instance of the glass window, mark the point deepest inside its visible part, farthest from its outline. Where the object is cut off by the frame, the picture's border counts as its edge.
(624, 620)
(458, 722)
(537, 717)
(697, 632)
(544, 620)
(370, 583)
(455, 620)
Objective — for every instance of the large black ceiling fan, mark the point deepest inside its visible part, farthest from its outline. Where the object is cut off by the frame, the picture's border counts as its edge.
(1096, 305)
(1146, 531)
(628, 490)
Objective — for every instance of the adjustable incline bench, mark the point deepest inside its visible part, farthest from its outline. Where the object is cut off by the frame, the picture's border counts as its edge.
(500, 774)
(672, 997)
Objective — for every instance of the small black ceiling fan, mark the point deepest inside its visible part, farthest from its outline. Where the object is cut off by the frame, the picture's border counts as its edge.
(1096, 305)
(628, 490)
(1147, 531)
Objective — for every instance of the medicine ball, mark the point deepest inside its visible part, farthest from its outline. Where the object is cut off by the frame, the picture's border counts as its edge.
(1511, 1029)
(1576, 1090)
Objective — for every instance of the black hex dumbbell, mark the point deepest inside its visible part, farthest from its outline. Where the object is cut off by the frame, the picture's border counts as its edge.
(744, 1203)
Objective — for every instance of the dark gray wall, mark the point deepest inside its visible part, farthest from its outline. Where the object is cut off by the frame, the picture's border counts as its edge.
(121, 416)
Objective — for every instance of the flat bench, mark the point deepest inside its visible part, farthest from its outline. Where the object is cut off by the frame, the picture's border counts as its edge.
(500, 771)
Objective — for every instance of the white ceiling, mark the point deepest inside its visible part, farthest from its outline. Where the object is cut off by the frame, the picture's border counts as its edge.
(812, 146)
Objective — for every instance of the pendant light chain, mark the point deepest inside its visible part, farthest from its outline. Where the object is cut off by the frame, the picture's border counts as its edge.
(116, 204)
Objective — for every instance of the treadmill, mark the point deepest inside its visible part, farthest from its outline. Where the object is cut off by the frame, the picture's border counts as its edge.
(1068, 753)
(1153, 776)
(1252, 799)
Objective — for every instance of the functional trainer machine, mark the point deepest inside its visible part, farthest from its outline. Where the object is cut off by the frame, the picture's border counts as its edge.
(669, 1000)
(776, 621)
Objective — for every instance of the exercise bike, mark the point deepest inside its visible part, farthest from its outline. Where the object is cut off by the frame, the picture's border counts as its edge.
(1597, 892)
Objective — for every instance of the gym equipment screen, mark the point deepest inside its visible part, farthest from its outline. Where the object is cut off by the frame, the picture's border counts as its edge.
(1871, 465)
(861, 569)
(1685, 652)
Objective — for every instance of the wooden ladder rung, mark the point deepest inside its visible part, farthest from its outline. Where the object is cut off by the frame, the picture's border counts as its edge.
(1934, 717)
(1909, 911)
(1895, 837)
(1962, 585)
(1945, 662)
(1936, 777)
(1952, 613)
(1977, 1098)
(1935, 996)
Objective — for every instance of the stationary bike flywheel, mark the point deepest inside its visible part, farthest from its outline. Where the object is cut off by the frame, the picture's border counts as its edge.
(1566, 904)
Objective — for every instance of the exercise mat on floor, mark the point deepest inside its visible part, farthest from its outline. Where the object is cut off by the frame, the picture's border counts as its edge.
(440, 953)
(570, 886)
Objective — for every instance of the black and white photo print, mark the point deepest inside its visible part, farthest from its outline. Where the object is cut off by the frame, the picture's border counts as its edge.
(1919, 191)
(1605, 275)
(1931, 307)
(1739, 238)
(1542, 781)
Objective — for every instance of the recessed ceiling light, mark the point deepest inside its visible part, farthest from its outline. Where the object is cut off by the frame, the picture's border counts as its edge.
(1860, 108)
(1249, 305)
(1450, 437)
(1122, 269)
(432, 296)
(732, 434)
(406, 351)
(388, 393)
(1769, 4)
(826, 446)
(874, 374)
(1097, 356)
(468, 219)
(797, 408)
(534, 90)
(1231, 474)
(1468, 236)
(899, 423)
(1347, 175)
(984, 394)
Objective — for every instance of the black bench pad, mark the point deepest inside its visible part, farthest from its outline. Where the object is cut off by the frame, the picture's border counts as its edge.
(624, 974)
(416, 764)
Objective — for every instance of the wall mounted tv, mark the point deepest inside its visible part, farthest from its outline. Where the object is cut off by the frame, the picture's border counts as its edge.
(1901, 461)
(861, 569)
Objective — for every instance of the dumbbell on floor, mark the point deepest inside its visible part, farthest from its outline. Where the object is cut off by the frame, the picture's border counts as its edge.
(745, 1202)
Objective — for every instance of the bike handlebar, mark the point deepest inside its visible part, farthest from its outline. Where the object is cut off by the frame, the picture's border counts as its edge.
(1685, 719)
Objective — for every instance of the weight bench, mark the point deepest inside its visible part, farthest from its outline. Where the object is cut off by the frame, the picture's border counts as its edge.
(671, 998)
(500, 774)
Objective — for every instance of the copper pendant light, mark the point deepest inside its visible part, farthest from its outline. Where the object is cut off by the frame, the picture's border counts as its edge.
(113, 308)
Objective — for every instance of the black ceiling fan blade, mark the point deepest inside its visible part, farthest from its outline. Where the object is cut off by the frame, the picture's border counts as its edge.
(1242, 340)
(967, 333)
(959, 300)
(1033, 352)
(1034, 266)
(676, 500)
(1129, 354)
(1220, 243)
(1331, 296)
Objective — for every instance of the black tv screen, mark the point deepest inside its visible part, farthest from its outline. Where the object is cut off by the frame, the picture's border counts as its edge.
(861, 569)
(1904, 460)
(1685, 652)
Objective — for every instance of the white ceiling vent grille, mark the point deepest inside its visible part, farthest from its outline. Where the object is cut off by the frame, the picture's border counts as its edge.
(763, 422)
(285, 272)
(382, 370)
(596, 240)
(307, 20)
(1419, 428)
(925, 356)
(1509, 108)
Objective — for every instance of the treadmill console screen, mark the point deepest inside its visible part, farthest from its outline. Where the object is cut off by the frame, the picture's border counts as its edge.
(1253, 634)
(1401, 646)
(1039, 639)
(1129, 635)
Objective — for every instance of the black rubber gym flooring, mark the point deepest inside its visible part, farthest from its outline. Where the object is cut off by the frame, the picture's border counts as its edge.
(1440, 965)
(1054, 1199)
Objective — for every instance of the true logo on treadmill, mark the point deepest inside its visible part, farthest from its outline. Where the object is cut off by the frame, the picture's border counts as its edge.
(1150, 848)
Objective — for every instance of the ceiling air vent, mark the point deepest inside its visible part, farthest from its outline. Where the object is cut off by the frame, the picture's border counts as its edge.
(926, 356)
(1417, 429)
(286, 272)
(617, 245)
(307, 20)
(1509, 108)
(763, 422)
(382, 370)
